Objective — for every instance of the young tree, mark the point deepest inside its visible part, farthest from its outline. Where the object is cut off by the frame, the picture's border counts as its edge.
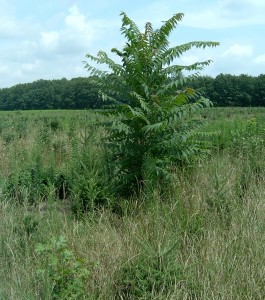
(152, 129)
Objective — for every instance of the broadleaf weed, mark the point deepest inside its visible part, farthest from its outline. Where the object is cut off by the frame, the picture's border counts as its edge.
(61, 274)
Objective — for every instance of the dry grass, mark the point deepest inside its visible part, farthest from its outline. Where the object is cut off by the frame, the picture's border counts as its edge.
(211, 223)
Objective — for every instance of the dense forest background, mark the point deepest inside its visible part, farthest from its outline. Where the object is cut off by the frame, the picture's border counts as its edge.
(82, 92)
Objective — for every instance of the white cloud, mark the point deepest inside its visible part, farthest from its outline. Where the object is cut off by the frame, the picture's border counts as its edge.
(57, 50)
(3, 69)
(238, 51)
(30, 66)
(76, 20)
(11, 28)
(50, 39)
(226, 14)
(189, 59)
(76, 35)
(260, 59)
(242, 4)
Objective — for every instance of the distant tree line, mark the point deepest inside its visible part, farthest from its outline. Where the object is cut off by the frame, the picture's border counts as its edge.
(82, 92)
(77, 93)
(231, 90)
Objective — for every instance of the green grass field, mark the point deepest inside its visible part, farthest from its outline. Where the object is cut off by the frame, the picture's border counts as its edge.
(202, 238)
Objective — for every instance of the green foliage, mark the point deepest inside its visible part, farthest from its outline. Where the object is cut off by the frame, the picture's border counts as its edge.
(88, 190)
(77, 93)
(60, 159)
(30, 224)
(89, 183)
(144, 278)
(61, 274)
(218, 200)
(80, 93)
(32, 184)
(153, 110)
(238, 134)
(231, 90)
(154, 269)
(249, 136)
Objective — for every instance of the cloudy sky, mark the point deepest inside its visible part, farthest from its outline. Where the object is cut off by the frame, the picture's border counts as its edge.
(49, 39)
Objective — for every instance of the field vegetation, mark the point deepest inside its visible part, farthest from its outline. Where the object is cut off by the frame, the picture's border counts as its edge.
(63, 232)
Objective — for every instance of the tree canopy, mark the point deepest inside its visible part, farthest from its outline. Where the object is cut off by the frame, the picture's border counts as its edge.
(82, 92)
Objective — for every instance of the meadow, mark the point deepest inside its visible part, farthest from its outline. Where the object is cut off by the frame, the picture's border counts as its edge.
(63, 235)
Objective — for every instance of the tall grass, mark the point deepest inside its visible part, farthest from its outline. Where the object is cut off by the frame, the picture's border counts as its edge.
(203, 238)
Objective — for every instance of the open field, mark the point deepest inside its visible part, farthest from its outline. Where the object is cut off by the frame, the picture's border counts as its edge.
(202, 238)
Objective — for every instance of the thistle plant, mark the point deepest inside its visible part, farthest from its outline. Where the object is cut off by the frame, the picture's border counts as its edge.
(153, 107)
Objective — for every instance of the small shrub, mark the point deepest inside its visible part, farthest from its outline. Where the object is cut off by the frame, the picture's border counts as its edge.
(146, 278)
(55, 125)
(30, 224)
(219, 201)
(88, 191)
(34, 184)
(9, 137)
(61, 274)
